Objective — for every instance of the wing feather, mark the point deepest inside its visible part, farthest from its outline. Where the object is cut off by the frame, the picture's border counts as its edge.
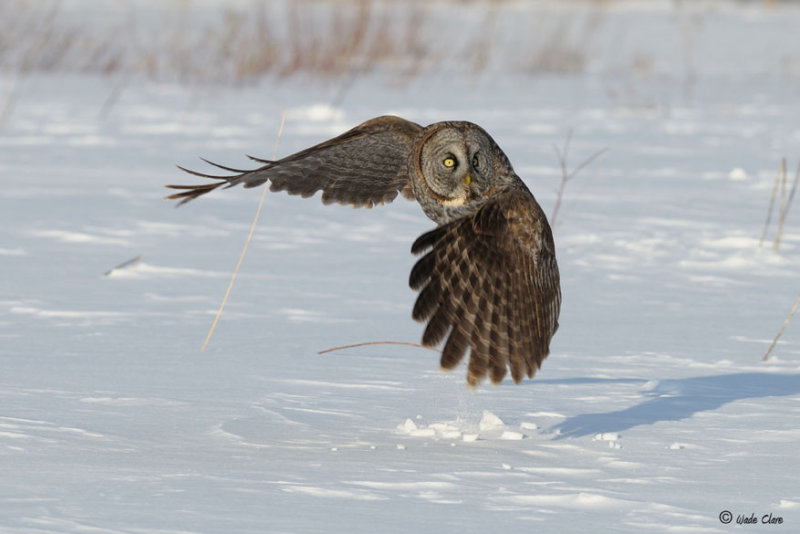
(365, 166)
(489, 282)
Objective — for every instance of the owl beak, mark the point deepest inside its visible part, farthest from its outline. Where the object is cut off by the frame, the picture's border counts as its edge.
(468, 179)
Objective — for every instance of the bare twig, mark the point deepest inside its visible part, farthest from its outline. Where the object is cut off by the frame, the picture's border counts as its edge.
(780, 332)
(786, 203)
(782, 201)
(12, 99)
(246, 243)
(378, 343)
(123, 265)
(113, 96)
(794, 185)
(566, 176)
(781, 171)
(562, 159)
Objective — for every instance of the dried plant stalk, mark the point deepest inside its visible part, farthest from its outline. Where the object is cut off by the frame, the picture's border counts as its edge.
(406, 343)
(781, 171)
(246, 243)
(786, 203)
(780, 332)
(123, 265)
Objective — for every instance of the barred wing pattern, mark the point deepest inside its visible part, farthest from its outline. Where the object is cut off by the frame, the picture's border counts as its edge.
(365, 166)
(490, 280)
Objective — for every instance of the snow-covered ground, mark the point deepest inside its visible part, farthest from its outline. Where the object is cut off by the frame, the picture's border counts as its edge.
(653, 412)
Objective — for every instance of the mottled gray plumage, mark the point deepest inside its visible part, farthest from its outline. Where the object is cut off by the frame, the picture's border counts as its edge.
(488, 278)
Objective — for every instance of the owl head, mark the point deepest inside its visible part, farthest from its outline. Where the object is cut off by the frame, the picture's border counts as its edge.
(455, 166)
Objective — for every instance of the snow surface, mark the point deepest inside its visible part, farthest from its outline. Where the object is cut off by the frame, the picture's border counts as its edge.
(653, 413)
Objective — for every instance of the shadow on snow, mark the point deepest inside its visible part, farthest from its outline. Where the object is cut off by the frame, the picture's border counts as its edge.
(672, 400)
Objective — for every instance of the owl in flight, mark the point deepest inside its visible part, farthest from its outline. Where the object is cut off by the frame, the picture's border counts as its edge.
(488, 279)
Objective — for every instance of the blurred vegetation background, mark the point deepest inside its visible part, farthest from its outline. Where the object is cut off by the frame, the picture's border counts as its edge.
(239, 42)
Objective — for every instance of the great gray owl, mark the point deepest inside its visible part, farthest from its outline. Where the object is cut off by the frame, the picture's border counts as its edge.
(488, 280)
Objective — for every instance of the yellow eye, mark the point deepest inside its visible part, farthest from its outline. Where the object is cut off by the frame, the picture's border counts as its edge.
(475, 161)
(449, 162)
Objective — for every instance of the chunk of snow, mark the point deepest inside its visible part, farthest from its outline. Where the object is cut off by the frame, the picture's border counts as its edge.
(490, 421)
(408, 426)
(738, 174)
(607, 436)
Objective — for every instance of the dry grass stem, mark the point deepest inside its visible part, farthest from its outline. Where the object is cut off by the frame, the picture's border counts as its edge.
(246, 243)
(781, 172)
(366, 343)
(124, 265)
(114, 95)
(780, 332)
(784, 201)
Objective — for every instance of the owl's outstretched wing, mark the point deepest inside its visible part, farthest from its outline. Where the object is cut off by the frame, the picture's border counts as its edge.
(489, 282)
(365, 166)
